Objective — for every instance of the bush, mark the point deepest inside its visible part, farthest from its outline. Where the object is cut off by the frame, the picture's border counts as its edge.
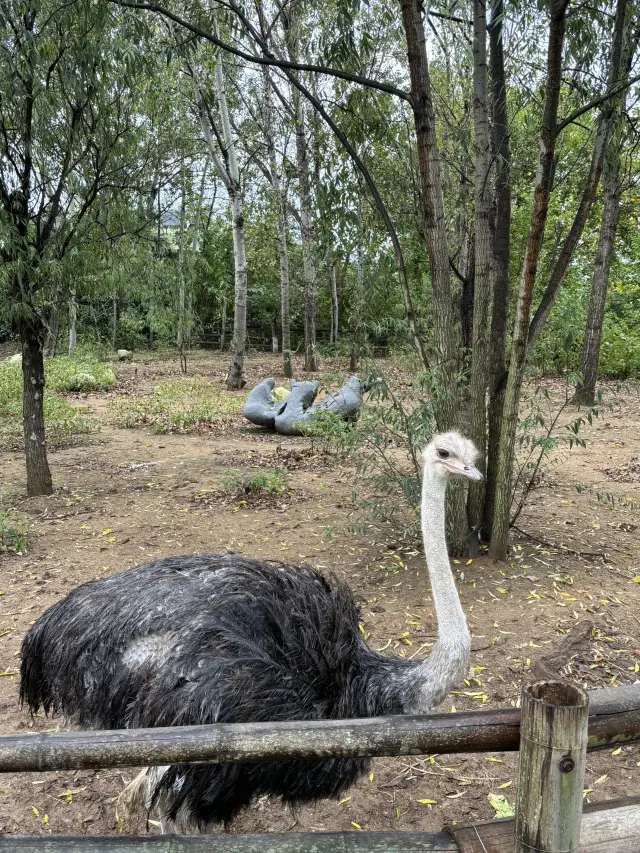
(71, 374)
(179, 406)
(62, 421)
(13, 531)
(272, 481)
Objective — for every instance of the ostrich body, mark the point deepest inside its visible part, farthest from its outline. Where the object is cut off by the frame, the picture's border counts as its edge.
(205, 639)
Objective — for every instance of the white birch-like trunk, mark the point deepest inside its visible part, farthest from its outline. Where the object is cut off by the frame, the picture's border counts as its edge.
(73, 315)
(181, 277)
(281, 203)
(227, 168)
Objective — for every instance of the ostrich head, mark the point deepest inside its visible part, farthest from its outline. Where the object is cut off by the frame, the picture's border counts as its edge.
(451, 455)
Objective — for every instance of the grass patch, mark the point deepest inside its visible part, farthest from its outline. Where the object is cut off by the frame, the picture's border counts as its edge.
(270, 481)
(13, 531)
(62, 421)
(70, 374)
(179, 406)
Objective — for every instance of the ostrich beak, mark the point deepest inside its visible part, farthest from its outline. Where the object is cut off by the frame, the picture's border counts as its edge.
(460, 469)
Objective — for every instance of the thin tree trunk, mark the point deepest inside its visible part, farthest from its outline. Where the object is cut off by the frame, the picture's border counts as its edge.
(229, 172)
(446, 333)
(182, 237)
(194, 250)
(601, 142)
(223, 323)
(597, 299)
(53, 326)
(335, 316)
(281, 204)
(73, 314)
(306, 211)
(39, 480)
(548, 134)
(483, 251)
(611, 118)
(114, 320)
(501, 256)
(358, 304)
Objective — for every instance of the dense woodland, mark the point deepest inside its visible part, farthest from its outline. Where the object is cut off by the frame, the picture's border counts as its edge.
(457, 182)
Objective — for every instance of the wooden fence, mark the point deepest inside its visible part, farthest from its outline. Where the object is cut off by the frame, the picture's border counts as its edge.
(556, 726)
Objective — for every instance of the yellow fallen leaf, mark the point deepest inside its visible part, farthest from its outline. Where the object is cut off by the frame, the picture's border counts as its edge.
(427, 802)
(355, 825)
(506, 784)
(106, 531)
(601, 779)
(636, 580)
(35, 811)
(494, 760)
(371, 777)
(617, 751)
(45, 820)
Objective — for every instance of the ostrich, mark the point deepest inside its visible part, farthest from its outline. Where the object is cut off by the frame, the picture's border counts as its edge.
(205, 638)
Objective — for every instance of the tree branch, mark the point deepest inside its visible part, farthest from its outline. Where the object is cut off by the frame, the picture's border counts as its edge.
(264, 60)
(597, 101)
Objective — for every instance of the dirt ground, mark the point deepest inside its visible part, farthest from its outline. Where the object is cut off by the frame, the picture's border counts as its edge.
(128, 496)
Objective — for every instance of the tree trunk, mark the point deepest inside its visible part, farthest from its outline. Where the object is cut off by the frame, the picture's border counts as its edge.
(182, 236)
(281, 204)
(548, 135)
(32, 335)
(501, 256)
(73, 315)
(335, 316)
(53, 326)
(611, 119)
(223, 323)
(230, 175)
(446, 333)
(235, 377)
(593, 329)
(601, 143)
(114, 321)
(483, 251)
(306, 210)
(357, 307)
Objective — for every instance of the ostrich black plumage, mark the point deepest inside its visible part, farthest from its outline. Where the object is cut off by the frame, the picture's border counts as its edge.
(204, 639)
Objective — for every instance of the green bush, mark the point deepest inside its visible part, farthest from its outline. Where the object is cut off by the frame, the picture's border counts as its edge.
(71, 374)
(178, 406)
(273, 481)
(13, 531)
(62, 421)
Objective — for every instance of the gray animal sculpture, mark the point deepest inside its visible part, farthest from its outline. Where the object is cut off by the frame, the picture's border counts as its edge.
(296, 408)
(261, 408)
(289, 417)
(207, 638)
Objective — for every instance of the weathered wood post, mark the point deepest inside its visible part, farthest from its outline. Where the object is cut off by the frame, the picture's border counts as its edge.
(553, 748)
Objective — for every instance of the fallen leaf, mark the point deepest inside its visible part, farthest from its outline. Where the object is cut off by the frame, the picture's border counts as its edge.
(501, 805)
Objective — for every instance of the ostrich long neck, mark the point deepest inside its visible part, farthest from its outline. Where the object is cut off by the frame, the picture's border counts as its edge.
(446, 665)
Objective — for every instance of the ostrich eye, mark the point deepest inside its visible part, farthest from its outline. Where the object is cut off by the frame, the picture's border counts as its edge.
(443, 454)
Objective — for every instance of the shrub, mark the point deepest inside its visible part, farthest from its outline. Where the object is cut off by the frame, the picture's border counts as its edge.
(178, 406)
(13, 531)
(71, 374)
(62, 421)
(272, 481)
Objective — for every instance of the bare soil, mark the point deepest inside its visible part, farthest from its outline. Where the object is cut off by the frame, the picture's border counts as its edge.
(128, 496)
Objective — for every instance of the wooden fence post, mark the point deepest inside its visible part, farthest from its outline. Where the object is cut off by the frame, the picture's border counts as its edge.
(553, 748)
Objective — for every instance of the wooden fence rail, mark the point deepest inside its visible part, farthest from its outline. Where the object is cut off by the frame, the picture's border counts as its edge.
(614, 717)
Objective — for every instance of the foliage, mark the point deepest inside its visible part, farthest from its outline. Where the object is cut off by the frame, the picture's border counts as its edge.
(272, 481)
(179, 406)
(550, 423)
(13, 531)
(62, 420)
(70, 374)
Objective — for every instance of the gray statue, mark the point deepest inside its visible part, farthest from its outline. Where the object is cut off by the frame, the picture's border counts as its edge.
(290, 416)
